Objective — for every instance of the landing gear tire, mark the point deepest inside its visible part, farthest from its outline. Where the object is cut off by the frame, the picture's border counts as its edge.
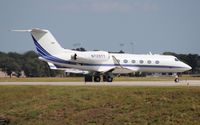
(176, 80)
(97, 78)
(109, 79)
(88, 78)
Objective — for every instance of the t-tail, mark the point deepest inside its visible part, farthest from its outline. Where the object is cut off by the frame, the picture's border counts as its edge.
(44, 41)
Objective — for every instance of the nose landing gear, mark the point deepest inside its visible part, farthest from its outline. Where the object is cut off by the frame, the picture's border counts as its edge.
(176, 80)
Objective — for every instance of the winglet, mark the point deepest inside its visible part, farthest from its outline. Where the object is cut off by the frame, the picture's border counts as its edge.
(116, 62)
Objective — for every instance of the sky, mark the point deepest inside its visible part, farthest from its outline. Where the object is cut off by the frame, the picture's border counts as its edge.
(135, 26)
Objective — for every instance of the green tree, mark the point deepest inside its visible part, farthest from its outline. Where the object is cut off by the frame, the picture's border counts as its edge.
(9, 66)
(33, 67)
(192, 60)
(27, 62)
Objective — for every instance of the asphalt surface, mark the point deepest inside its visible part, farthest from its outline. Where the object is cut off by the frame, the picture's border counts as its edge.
(121, 83)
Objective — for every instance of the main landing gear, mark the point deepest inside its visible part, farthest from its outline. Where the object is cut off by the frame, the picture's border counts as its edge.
(97, 77)
(108, 77)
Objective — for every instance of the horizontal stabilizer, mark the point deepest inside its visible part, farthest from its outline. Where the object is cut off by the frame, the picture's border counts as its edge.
(31, 30)
(21, 30)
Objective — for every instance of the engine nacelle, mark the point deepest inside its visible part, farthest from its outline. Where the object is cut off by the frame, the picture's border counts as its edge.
(91, 56)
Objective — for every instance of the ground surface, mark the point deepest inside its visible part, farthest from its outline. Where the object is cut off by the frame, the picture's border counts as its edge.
(81, 79)
(91, 105)
(119, 83)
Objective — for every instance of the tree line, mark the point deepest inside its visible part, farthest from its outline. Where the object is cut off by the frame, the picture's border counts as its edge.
(27, 62)
(33, 67)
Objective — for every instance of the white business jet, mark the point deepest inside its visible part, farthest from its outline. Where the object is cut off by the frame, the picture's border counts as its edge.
(98, 63)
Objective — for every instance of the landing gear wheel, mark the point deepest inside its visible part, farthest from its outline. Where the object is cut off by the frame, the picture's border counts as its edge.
(109, 79)
(176, 80)
(88, 78)
(97, 78)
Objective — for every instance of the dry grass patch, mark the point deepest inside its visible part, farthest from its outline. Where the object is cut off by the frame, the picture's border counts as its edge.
(99, 105)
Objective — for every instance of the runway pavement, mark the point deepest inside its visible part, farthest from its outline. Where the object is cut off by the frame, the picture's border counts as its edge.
(121, 83)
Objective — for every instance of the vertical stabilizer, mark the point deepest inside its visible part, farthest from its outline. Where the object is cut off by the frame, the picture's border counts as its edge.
(45, 43)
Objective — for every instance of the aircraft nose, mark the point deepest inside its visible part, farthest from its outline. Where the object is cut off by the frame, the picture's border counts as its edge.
(187, 67)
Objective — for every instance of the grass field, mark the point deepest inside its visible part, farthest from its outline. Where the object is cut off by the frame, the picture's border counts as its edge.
(100, 105)
(79, 79)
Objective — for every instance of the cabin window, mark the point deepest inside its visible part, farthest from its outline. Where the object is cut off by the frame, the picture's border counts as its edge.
(133, 61)
(149, 61)
(141, 61)
(125, 61)
(157, 62)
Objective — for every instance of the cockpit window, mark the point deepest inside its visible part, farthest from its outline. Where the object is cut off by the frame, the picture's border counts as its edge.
(176, 59)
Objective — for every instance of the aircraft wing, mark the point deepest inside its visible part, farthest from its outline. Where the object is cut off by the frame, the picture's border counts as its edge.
(118, 68)
(70, 70)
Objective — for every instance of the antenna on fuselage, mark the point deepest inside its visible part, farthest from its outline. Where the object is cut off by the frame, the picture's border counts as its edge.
(150, 53)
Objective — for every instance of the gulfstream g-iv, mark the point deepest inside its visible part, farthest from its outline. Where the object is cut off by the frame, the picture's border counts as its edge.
(99, 63)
